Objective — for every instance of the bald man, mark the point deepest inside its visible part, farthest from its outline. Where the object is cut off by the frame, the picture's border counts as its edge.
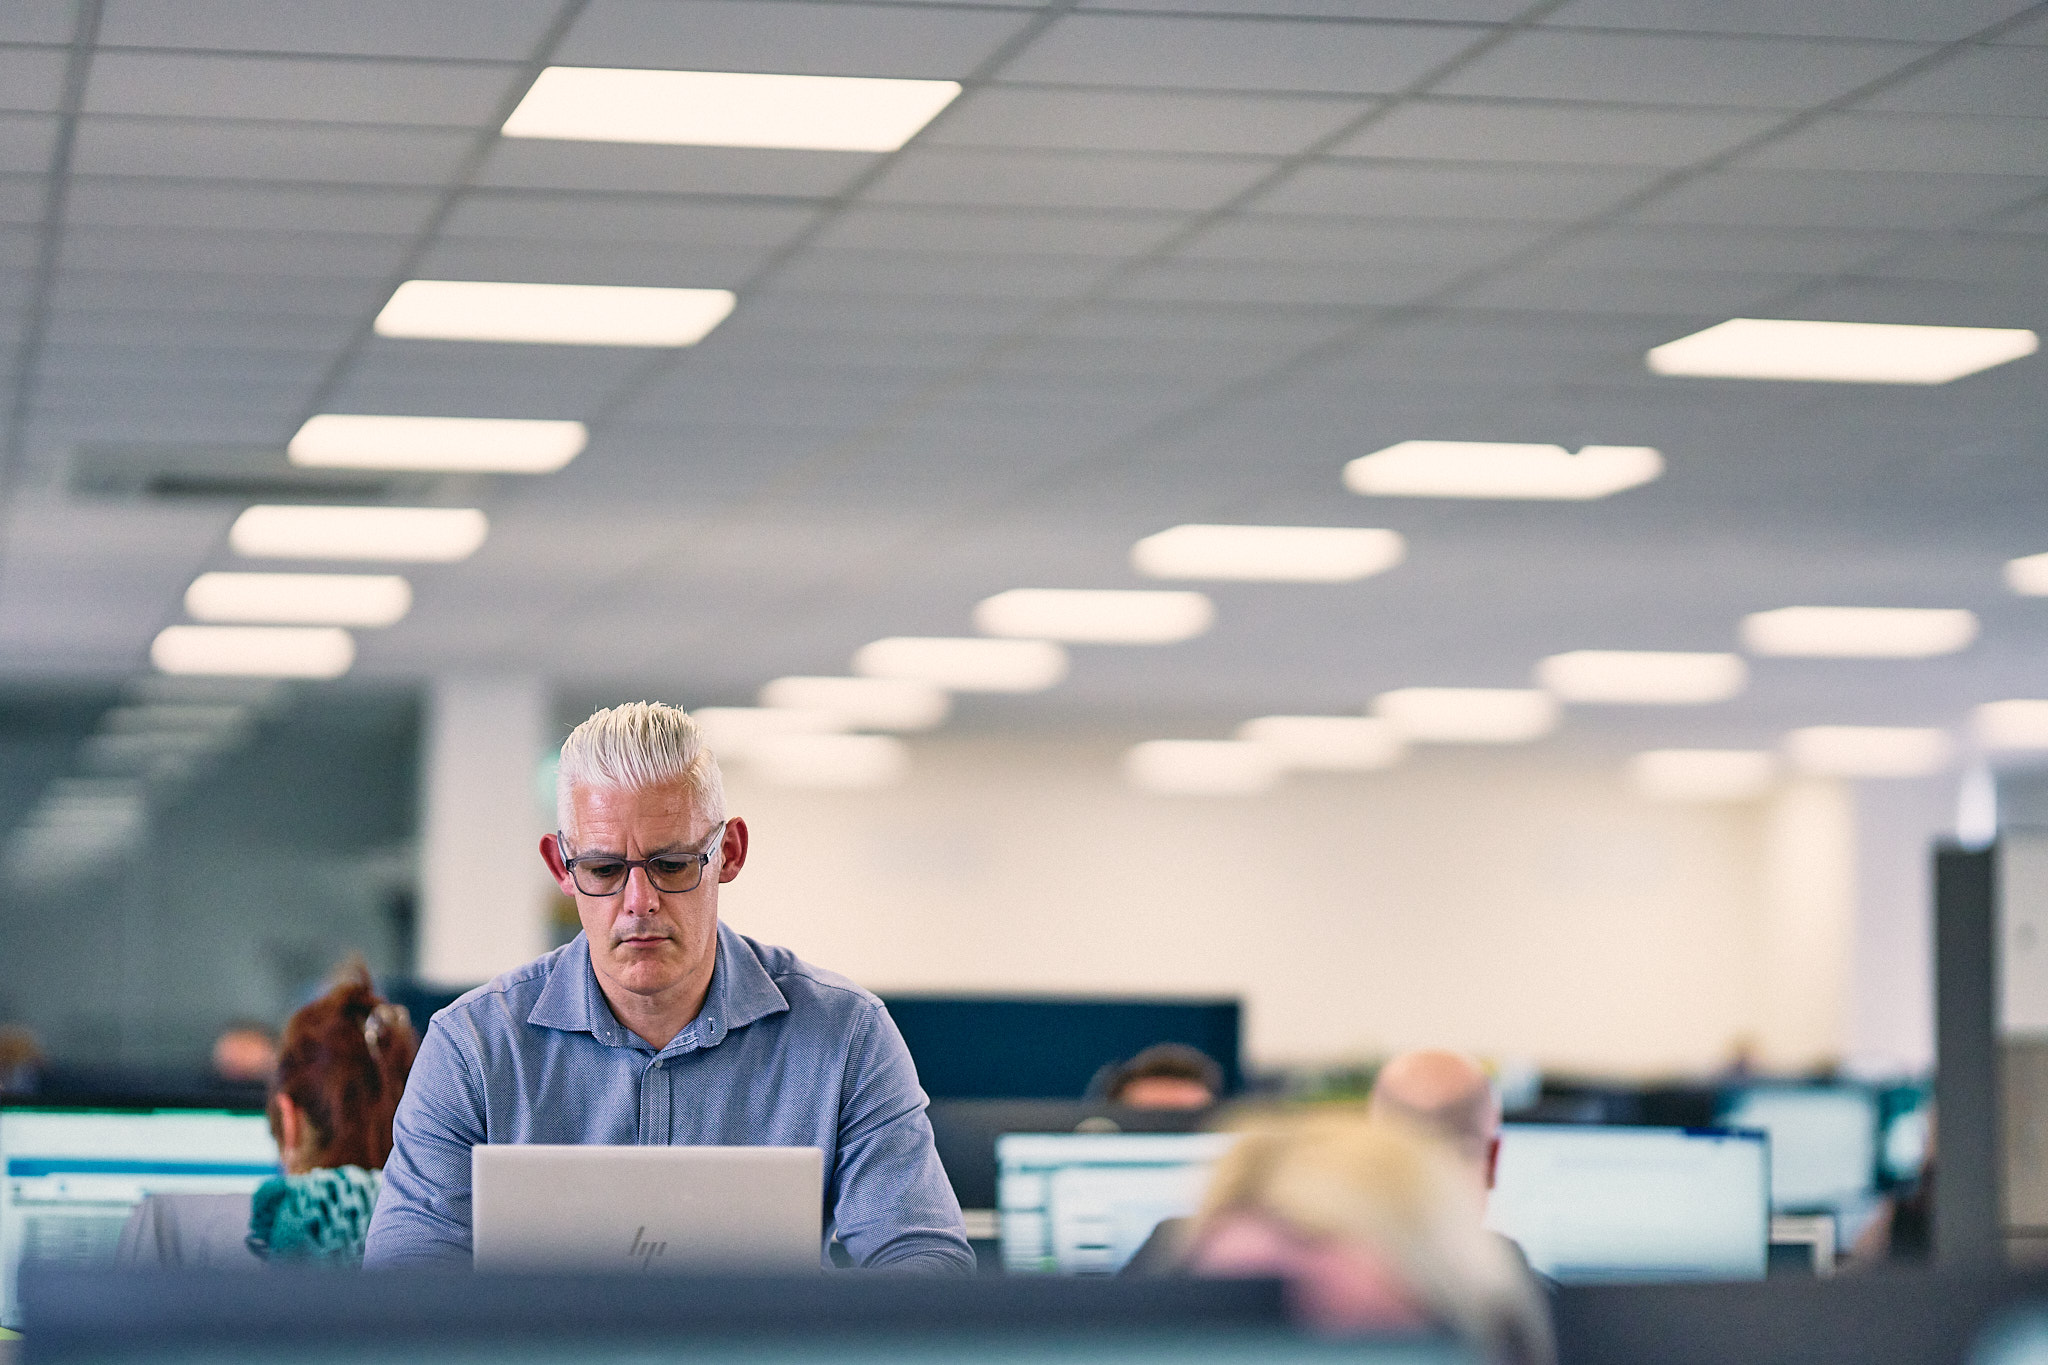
(1448, 1094)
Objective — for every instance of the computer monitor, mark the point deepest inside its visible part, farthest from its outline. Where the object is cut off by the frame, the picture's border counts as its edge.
(1083, 1203)
(1823, 1141)
(70, 1174)
(965, 1132)
(1599, 1204)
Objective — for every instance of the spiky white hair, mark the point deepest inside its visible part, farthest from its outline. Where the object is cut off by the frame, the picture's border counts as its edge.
(635, 746)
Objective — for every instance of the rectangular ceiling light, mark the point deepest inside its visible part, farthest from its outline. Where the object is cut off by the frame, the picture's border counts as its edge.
(1468, 715)
(965, 663)
(863, 703)
(1494, 469)
(841, 762)
(1643, 677)
(464, 445)
(2019, 724)
(560, 314)
(1869, 750)
(1107, 616)
(307, 599)
(1201, 767)
(1858, 632)
(427, 535)
(1269, 554)
(255, 651)
(1703, 775)
(2028, 575)
(728, 109)
(1338, 744)
(730, 730)
(1840, 352)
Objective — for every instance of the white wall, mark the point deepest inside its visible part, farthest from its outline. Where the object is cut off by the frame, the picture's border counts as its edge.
(1506, 902)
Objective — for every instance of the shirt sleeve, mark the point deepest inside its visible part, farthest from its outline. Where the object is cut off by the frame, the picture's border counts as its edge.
(891, 1203)
(422, 1215)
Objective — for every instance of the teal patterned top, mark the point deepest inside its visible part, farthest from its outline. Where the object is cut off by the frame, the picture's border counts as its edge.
(320, 1217)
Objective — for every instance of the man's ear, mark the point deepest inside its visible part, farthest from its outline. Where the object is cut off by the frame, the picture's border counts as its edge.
(551, 854)
(1492, 1161)
(732, 849)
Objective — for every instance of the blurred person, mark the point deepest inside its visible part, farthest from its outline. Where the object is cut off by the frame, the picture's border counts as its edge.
(21, 1060)
(1373, 1223)
(657, 1024)
(1163, 1076)
(245, 1053)
(1901, 1228)
(1451, 1096)
(339, 1077)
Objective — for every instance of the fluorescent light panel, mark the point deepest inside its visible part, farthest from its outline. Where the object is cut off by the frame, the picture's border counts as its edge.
(1269, 554)
(1869, 750)
(1703, 775)
(965, 663)
(2016, 724)
(730, 730)
(464, 445)
(1641, 677)
(1096, 616)
(1493, 469)
(1201, 767)
(835, 762)
(429, 535)
(1468, 715)
(1327, 743)
(1858, 632)
(728, 108)
(2028, 575)
(323, 599)
(1840, 352)
(560, 314)
(255, 651)
(863, 703)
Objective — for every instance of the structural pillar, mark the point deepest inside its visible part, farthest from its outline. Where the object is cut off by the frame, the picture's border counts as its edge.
(484, 894)
(1808, 923)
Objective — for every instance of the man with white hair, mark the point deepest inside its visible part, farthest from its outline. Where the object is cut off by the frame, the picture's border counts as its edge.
(658, 1025)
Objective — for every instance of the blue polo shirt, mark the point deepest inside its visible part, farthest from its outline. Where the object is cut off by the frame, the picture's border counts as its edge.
(783, 1054)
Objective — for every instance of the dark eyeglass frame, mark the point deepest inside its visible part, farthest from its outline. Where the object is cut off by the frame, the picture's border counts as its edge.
(700, 859)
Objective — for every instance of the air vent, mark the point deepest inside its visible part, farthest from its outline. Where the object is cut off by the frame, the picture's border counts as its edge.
(230, 474)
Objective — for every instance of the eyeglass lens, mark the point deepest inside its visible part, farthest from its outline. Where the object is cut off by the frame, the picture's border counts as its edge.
(607, 877)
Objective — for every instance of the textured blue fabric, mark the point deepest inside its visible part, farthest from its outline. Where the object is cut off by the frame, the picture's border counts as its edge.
(320, 1216)
(782, 1054)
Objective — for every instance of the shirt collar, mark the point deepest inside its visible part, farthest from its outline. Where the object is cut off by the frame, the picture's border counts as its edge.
(741, 992)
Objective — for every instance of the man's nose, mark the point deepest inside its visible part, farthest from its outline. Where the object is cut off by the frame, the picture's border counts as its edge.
(640, 893)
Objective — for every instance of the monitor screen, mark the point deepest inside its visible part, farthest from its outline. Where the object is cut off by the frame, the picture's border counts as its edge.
(70, 1175)
(1083, 1203)
(1823, 1141)
(1591, 1204)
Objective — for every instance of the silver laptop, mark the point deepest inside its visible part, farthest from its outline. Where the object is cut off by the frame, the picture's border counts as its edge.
(647, 1208)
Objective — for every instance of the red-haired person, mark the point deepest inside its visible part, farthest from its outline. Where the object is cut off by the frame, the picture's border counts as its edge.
(339, 1075)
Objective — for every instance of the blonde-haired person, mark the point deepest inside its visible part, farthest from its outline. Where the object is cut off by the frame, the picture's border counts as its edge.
(1373, 1223)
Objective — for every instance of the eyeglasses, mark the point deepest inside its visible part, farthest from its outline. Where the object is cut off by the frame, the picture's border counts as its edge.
(605, 874)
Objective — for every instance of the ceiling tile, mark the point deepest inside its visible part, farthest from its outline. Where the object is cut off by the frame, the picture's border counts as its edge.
(375, 28)
(31, 78)
(138, 327)
(1911, 142)
(778, 35)
(1326, 283)
(176, 363)
(333, 255)
(943, 273)
(1976, 258)
(1237, 54)
(18, 248)
(1409, 190)
(1144, 322)
(836, 399)
(248, 294)
(945, 175)
(811, 310)
(2033, 33)
(1701, 293)
(26, 142)
(22, 198)
(38, 21)
(1076, 355)
(1849, 199)
(1942, 303)
(1123, 121)
(2033, 218)
(1651, 68)
(1471, 130)
(538, 163)
(146, 203)
(257, 151)
(874, 227)
(1683, 249)
(1978, 80)
(740, 345)
(574, 262)
(1908, 20)
(625, 218)
(302, 89)
(1448, 11)
(1362, 242)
